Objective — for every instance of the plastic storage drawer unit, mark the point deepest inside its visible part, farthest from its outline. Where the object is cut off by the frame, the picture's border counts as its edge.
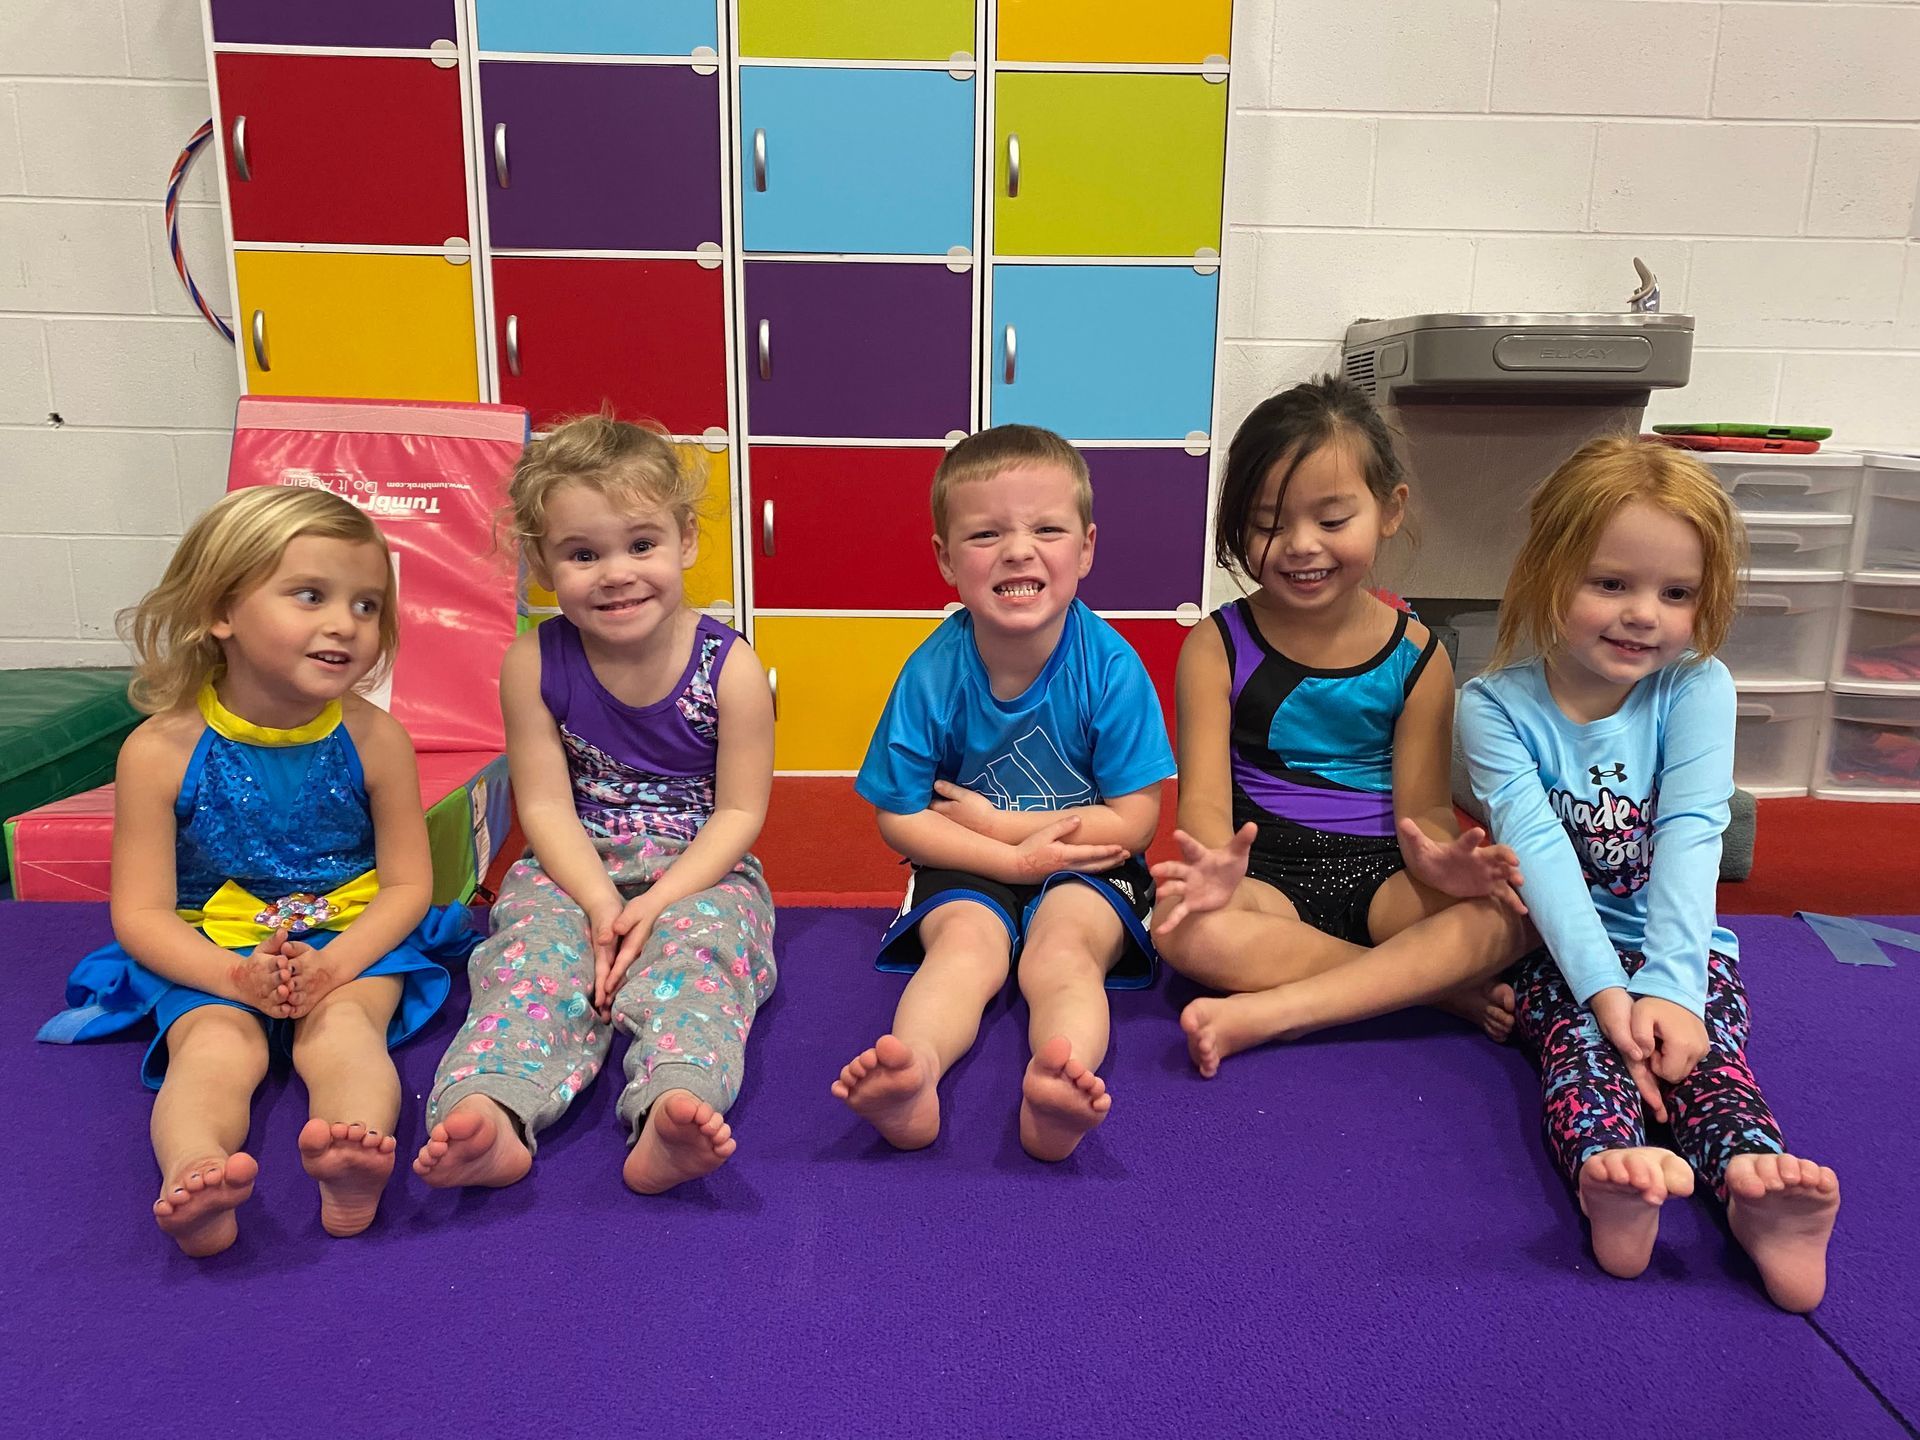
(1822, 484)
(1776, 736)
(1798, 542)
(1890, 505)
(1873, 746)
(1785, 625)
(1880, 647)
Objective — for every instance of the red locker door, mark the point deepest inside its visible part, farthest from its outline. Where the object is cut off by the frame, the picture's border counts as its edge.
(343, 149)
(843, 529)
(648, 337)
(1158, 642)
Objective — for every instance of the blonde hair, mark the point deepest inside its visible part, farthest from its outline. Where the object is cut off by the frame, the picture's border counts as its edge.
(634, 467)
(1003, 448)
(226, 553)
(1573, 505)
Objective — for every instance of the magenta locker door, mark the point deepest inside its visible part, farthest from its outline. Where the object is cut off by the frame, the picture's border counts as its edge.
(858, 351)
(600, 157)
(1151, 510)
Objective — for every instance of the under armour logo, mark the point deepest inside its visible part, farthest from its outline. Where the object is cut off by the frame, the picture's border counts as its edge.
(1612, 772)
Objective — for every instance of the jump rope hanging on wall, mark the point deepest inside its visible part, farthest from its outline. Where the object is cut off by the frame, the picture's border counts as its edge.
(174, 181)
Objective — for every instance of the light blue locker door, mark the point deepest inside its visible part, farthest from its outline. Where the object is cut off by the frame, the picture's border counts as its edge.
(856, 162)
(598, 27)
(1104, 352)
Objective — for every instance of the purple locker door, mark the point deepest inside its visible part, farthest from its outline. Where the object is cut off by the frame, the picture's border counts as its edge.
(1151, 510)
(860, 351)
(600, 157)
(396, 24)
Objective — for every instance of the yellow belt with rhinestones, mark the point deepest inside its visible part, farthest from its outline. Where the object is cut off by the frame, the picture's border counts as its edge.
(236, 920)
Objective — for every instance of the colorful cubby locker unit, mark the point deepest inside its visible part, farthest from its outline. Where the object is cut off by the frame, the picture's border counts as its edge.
(817, 240)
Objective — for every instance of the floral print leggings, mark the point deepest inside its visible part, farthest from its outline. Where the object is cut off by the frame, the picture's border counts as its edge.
(531, 1041)
(1716, 1113)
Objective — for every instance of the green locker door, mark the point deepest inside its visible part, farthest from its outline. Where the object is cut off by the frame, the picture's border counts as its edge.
(1107, 164)
(856, 29)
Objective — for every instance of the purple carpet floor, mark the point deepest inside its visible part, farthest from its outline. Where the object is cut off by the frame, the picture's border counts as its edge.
(1359, 1235)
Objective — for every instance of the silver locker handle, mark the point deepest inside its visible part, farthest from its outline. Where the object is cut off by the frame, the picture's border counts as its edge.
(773, 684)
(500, 171)
(1013, 167)
(241, 167)
(760, 160)
(260, 340)
(766, 349)
(766, 527)
(1012, 342)
(513, 344)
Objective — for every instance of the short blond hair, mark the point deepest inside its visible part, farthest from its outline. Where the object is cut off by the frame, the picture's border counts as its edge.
(1008, 447)
(227, 552)
(1573, 505)
(635, 467)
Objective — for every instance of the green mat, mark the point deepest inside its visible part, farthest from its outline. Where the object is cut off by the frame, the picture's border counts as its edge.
(60, 731)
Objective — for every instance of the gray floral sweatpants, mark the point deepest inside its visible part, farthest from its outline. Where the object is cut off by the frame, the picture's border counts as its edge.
(531, 1041)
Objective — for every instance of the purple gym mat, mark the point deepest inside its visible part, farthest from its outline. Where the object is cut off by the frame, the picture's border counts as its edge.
(1359, 1235)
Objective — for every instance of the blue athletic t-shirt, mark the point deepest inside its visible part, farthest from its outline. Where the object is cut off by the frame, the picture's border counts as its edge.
(1087, 729)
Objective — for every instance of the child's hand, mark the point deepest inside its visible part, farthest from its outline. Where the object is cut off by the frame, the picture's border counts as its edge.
(1205, 880)
(260, 979)
(306, 977)
(1046, 852)
(1673, 1036)
(601, 916)
(1613, 1009)
(630, 930)
(1466, 868)
(967, 808)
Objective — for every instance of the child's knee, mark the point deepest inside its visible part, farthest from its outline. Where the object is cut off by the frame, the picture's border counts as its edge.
(218, 1037)
(1062, 962)
(356, 1013)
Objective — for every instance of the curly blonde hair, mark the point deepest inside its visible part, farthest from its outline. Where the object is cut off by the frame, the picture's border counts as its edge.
(227, 552)
(1572, 506)
(635, 467)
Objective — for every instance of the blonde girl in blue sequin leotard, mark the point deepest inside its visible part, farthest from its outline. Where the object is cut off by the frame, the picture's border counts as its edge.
(271, 878)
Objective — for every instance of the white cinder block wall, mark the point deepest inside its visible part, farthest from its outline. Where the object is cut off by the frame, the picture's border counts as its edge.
(97, 97)
(1389, 156)
(1398, 156)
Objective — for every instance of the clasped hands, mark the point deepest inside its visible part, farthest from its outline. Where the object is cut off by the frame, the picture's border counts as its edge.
(282, 978)
(1659, 1040)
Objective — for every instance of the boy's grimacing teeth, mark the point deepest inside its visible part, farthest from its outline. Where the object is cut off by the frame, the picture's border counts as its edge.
(1019, 589)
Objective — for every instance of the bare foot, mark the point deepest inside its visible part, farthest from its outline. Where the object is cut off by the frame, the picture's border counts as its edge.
(1781, 1210)
(196, 1209)
(351, 1164)
(894, 1089)
(1621, 1192)
(1221, 1026)
(683, 1139)
(1485, 1003)
(475, 1145)
(1060, 1101)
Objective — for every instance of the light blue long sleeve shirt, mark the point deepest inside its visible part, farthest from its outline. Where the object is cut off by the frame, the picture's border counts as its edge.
(1617, 822)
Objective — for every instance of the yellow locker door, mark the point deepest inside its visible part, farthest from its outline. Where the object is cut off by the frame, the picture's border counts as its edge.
(710, 581)
(1107, 164)
(1119, 32)
(832, 675)
(396, 327)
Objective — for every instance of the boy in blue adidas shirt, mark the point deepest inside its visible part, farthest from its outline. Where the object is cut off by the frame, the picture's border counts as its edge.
(1018, 767)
